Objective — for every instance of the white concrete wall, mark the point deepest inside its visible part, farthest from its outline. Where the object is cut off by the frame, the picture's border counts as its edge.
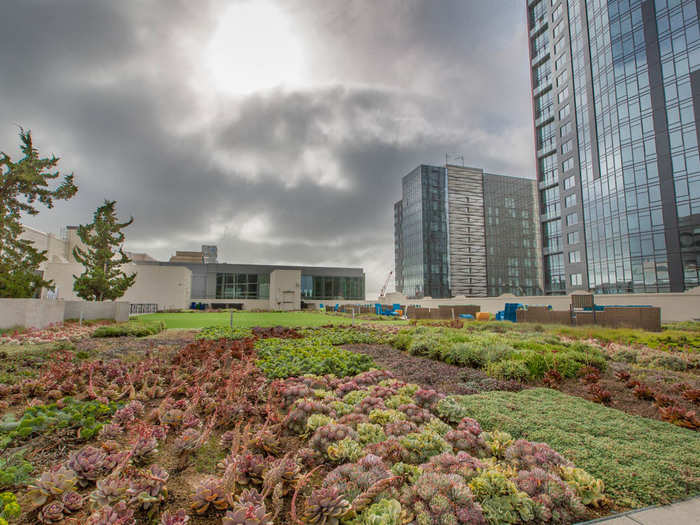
(167, 286)
(30, 313)
(285, 290)
(116, 310)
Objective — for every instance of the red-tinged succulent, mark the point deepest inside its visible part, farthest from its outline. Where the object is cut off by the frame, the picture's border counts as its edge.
(325, 506)
(679, 416)
(72, 501)
(400, 428)
(591, 377)
(663, 400)
(391, 450)
(187, 441)
(52, 512)
(118, 514)
(190, 420)
(559, 502)
(643, 391)
(462, 464)
(470, 425)
(179, 517)
(427, 397)
(329, 434)
(368, 404)
(111, 431)
(109, 491)
(599, 394)
(267, 442)
(552, 378)
(527, 455)
(463, 440)
(301, 410)
(149, 489)
(692, 394)
(209, 494)
(226, 440)
(52, 483)
(372, 377)
(283, 472)
(352, 479)
(128, 414)
(353, 419)
(246, 470)
(291, 391)
(632, 383)
(88, 464)
(623, 375)
(346, 387)
(416, 414)
(172, 417)
(440, 498)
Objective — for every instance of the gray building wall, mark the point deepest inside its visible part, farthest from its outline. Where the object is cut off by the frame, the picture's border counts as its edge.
(511, 231)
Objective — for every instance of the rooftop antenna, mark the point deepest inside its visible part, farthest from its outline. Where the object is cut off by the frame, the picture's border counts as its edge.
(456, 157)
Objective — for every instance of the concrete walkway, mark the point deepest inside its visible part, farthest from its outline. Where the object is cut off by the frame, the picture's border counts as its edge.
(683, 513)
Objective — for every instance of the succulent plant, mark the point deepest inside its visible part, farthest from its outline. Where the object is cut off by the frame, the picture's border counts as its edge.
(559, 503)
(52, 512)
(440, 498)
(267, 442)
(109, 491)
(437, 425)
(316, 421)
(172, 417)
(589, 489)
(329, 434)
(187, 441)
(248, 509)
(190, 420)
(179, 517)
(383, 416)
(226, 440)
(246, 470)
(344, 450)
(353, 419)
(462, 464)
(353, 397)
(525, 455)
(325, 506)
(370, 433)
(427, 397)
(128, 414)
(420, 446)
(340, 408)
(466, 441)
(498, 442)
(390, 450)
(149, 490)
(110, 431)
(410, 473)
(72, 501)
(351, 479)
(88, 464)
(301, 410)
(384, 512)
(51, 483)
(501, 500)
(416, 414)
(209, 493)
(282, 472)
(368, 404)
(118, 514)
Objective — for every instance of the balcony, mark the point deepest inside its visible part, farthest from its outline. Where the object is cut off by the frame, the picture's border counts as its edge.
(543, 86)
(545, 117)
(540, 57)
(546, 149)
(540, 25)
(547, 183)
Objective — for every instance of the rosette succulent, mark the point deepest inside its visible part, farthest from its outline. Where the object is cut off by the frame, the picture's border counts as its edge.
(52, 512)
(88, 464)
(325, 506)
(589, 489)
(109, 490)
(400, 428)
(462, 464)
(209, 493)
(52, 483)
(558, 501)
(439, 499)
(118, 514)
(501, 500)
(179, 517)
(525, 455)
(370, 433)
(384, 512)
(249, 509)
(420, 446)
(72, 501)
(416, 414)
(329, 434)
(351, 479)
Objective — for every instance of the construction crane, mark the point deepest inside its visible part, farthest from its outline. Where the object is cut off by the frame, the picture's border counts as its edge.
(386, 283)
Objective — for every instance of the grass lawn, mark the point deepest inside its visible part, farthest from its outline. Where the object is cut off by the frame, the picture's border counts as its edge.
(642, 461)
(195, 320)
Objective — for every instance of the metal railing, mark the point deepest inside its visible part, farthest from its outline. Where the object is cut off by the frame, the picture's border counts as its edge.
(143, 308)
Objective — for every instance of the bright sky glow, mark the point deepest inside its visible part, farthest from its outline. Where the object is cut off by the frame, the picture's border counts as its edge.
(253, 48)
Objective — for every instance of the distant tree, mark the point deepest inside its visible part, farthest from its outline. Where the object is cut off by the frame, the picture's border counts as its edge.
(22, 184)
(102, 257)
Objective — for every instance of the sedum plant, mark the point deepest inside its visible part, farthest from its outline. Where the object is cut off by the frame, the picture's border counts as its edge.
(420, 446)
(52, 483)
(325, 506)
(589, 489)
(501, 500)
(384, 512)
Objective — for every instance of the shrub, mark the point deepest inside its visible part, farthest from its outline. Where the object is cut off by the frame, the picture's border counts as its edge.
(508, 369)
(223, 332)
(130, 329)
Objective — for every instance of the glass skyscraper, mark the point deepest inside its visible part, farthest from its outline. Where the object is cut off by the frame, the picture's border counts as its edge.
(460, 231)
(616, 102)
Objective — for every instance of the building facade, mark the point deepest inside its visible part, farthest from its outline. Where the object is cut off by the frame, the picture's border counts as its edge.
(616, 102)
(460, 231)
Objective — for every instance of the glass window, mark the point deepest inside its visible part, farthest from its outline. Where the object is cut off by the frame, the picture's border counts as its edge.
(569, 183)
(570, 200)
(572, 219)
(576, 279)
(567, 164)
(575, 257)
(572, 238)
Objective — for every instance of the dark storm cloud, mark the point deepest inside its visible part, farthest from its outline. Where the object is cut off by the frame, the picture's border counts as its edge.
(285, 176)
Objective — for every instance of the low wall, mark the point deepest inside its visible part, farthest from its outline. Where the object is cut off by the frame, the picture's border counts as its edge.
(116, 310)
(674, 306)
(31, 313)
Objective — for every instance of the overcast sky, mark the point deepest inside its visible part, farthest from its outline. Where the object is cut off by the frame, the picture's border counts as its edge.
(278, 130)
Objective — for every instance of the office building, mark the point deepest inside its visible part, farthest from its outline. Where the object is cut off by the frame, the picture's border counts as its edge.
(616, 102)
(460, 231)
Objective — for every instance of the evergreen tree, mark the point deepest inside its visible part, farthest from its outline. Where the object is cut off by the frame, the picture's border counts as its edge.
(22, 185)
(103, 257)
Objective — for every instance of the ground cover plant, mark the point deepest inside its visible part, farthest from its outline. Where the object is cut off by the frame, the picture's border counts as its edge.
(678, 337)
(130, 329)
(245, 319)
(199, 431)
(641, 461)
(68, 331)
